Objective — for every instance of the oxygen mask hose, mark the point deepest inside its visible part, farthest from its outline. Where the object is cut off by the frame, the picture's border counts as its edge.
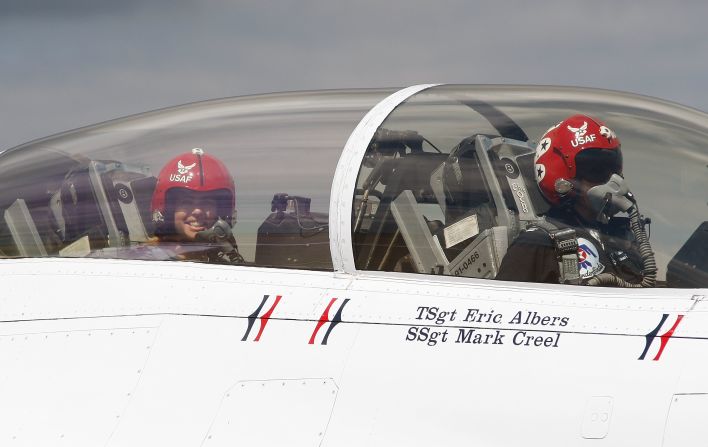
(645, 251)
(609, 199)
(647, 254)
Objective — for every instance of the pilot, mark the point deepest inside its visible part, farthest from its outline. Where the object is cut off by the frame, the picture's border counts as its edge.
(578, 170)
(193, 207)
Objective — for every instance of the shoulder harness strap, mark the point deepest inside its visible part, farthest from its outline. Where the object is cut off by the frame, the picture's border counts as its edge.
(565, 243)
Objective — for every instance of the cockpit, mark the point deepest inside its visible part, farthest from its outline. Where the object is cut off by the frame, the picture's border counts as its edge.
(88, 193)
(441, 181)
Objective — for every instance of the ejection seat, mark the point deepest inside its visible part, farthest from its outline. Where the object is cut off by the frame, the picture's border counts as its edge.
(381, 247)
(486, 190)
(76, 208)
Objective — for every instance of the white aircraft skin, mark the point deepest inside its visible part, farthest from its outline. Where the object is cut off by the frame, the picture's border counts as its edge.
(186, 354)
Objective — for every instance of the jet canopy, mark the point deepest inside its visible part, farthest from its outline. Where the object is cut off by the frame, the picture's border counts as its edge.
(430, 179)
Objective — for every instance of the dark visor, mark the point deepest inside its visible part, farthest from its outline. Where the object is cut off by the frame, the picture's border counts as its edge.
(598, 165)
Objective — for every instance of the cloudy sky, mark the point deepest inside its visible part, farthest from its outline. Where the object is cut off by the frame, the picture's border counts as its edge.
(70, 63)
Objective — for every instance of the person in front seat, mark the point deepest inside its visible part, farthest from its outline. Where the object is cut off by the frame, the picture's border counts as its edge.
(578, 169)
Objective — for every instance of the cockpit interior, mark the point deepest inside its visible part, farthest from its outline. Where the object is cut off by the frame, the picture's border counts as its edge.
(444, 186)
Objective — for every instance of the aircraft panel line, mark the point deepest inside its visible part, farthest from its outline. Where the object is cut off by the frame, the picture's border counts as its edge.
(371, 323)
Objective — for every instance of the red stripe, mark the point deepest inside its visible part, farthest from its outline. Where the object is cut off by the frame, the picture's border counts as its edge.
(665, 338)
(323, 319)
(266, 316)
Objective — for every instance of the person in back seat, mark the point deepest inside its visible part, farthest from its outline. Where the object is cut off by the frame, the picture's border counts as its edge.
(193, 208)
(578, 169)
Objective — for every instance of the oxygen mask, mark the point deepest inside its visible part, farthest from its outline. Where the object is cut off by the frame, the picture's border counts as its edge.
(610, 198)
(220, 231)
(221, 236)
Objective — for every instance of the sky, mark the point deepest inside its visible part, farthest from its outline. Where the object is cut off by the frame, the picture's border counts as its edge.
(70, 63)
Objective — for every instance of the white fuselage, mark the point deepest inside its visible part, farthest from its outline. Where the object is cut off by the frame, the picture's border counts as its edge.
(166, 354)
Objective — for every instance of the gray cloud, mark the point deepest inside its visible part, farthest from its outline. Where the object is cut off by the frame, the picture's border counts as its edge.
(90, 61)
(13, 9)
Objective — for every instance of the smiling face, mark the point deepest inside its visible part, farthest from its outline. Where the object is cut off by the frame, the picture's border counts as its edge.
(194, 212)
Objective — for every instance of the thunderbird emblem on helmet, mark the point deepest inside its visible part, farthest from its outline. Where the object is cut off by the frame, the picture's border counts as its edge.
(580, 137)
(182, 169)
(184, 175)
(579, 131)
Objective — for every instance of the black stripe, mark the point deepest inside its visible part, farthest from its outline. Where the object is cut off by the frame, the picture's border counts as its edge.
(309, 320)
(651, 336)
(253, 316)
(335, 321)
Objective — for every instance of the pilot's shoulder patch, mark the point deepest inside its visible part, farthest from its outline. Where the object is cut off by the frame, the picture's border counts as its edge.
(589, 263)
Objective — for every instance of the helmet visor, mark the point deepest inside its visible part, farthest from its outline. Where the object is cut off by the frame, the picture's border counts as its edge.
(598, 165)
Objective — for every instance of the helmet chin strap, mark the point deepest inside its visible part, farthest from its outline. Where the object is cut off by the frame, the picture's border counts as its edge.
(610, 198)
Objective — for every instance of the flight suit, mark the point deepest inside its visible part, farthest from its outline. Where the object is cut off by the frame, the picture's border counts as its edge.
(532, 257)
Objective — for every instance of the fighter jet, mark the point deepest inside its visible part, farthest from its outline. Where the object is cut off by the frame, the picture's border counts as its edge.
(323, 269)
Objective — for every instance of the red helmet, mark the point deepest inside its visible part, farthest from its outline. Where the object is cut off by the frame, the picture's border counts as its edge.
(578, 147)
(193, 171)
